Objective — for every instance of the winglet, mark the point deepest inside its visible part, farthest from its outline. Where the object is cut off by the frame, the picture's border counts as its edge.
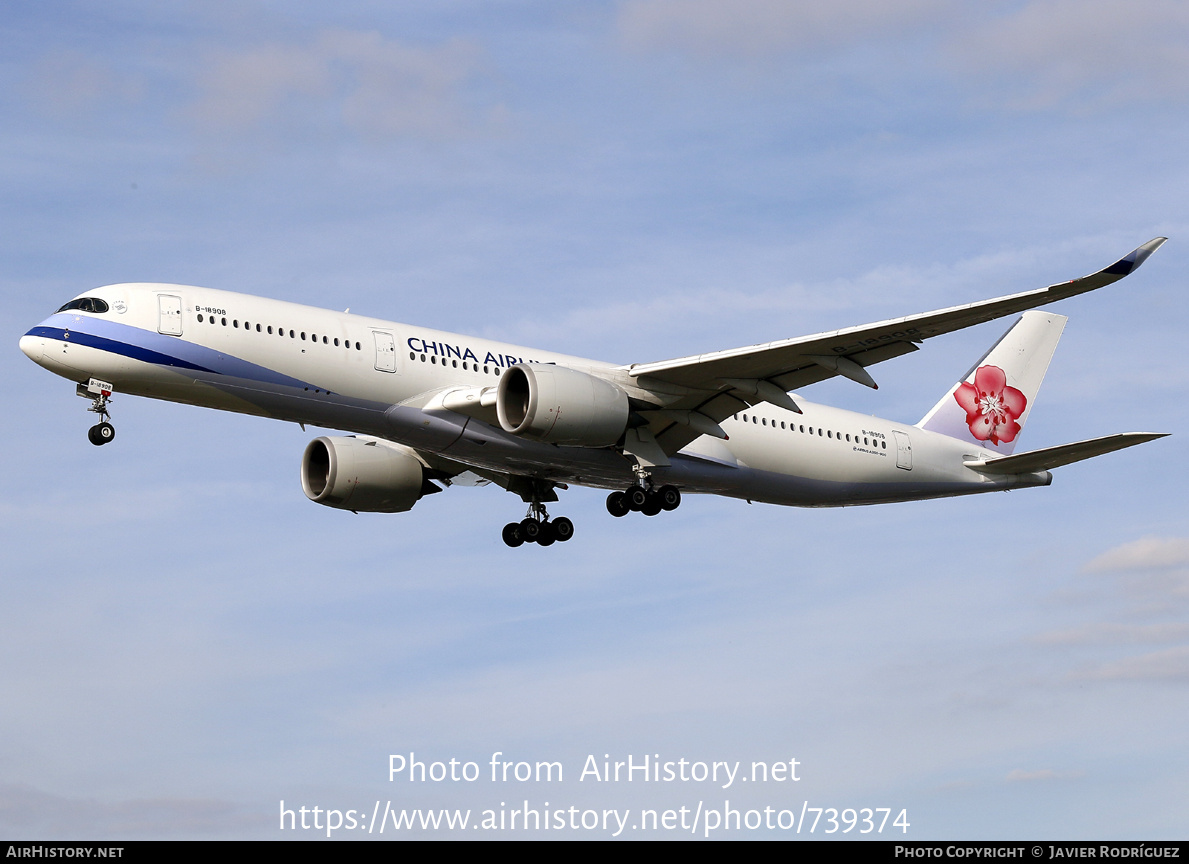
(1131, 261)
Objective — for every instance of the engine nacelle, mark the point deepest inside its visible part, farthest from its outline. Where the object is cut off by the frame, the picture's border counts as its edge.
(363, 475)
(561, 406)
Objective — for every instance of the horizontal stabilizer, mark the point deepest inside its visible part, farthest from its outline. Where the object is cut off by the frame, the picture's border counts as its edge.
(1064, 454)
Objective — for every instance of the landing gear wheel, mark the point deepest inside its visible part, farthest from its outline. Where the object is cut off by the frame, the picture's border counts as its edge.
(548, 535)
(563, 529)
(670, 497)
(637, 498)
(617, 504)
(511, 534)
(101, 433)
(652, 504)
(530, 530)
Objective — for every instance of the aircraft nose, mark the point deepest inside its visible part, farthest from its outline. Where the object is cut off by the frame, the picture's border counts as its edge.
(33, 347)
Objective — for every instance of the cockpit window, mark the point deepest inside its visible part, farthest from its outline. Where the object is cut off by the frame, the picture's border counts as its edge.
(86, 304)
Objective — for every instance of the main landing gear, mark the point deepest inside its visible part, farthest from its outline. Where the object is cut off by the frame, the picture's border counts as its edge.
(537, 528)
(643, 500)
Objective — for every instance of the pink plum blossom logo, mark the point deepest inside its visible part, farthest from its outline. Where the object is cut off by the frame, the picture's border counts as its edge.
(991, 407)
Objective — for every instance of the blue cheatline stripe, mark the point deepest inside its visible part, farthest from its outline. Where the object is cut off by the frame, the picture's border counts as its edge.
(78, 337)
(128, 342)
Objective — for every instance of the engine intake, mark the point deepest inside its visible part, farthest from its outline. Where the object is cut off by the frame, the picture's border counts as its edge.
(363, 475)
(561, 406)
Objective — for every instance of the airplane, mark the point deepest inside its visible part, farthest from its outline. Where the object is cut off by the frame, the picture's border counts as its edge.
(427, 407)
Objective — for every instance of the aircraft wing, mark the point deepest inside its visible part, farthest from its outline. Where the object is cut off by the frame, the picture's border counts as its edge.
(742, 376)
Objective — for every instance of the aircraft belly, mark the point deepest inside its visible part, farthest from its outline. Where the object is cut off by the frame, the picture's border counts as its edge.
(316, 407)
(814, 492)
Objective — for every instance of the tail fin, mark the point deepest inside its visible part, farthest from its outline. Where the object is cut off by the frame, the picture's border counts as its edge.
(990, 405)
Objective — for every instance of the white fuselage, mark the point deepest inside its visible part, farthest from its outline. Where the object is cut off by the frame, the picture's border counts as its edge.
(252, 355)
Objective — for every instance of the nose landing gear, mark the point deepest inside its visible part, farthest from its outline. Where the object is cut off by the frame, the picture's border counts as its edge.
(101, 433)
(99, 393)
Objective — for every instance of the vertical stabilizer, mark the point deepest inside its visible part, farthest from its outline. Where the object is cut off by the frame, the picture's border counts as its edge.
(989, 406)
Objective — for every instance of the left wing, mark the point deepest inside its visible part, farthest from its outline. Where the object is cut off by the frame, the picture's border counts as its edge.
(725, 382)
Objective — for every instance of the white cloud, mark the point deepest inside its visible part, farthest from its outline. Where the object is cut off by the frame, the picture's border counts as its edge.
(1147, 553)
(1108, 633)
(371, 86)
(1021, 776)
(754, 28)
(68, 83)
(28, 811)
(1038, 55)
(1084, 52)
(1171, 664)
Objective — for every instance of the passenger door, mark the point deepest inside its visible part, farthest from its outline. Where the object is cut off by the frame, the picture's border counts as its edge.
(385, 351)
(169, 314)
(903, 450)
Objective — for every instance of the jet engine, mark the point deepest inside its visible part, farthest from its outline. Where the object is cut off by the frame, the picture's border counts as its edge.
(362, 474)
(561, 406)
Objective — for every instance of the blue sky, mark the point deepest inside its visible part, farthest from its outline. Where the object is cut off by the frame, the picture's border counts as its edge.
(185, 640)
